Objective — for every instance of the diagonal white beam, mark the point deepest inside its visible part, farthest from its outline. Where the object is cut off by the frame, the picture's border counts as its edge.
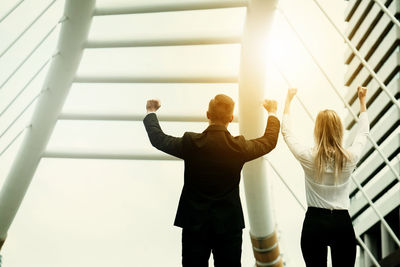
(360, 57)
(387, 12)
(335, 89)
(73, 35)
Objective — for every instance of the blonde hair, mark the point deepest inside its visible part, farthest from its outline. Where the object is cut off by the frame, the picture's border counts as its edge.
(328, 134)
(220, 108)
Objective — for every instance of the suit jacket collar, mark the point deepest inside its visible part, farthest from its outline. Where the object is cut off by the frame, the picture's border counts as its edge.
(216, 127)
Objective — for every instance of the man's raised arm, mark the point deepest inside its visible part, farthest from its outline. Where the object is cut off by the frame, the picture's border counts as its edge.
(258, 147)
(166, 143)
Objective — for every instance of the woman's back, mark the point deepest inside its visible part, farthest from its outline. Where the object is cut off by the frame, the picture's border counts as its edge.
(327, 168)
(328, 191)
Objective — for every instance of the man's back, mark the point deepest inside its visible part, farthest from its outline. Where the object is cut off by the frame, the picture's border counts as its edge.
(213, 162)
(210, 212)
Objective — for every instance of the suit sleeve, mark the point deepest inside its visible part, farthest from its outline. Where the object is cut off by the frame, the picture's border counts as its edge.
(255, 148)
(166, 143)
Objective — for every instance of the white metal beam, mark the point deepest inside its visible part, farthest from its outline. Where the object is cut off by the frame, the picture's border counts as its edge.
(355, 51)
(259, 18)
(170, 7)
(128, 117)
(73, 35)
(130, 79)
(388, 13)
(335, 89)
(106, 155)
(163, 42)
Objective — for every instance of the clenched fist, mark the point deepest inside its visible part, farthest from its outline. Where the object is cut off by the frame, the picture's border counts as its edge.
(291, 93)
(362, 92)
(153, 105)
(270, 105)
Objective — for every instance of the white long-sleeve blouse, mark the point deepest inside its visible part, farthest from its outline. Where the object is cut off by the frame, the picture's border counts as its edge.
(326, 194)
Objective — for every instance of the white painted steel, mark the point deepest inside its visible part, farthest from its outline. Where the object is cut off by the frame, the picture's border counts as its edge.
(106, 155)
(385, 71)
(357, 16)
(366, 65)
(390, 231)
(384, 46)
(388, 13)
(169, 7)
(349, 7)
(73, 35)
(373, 161)
(337, 91)
(376, 31)
(259, 18)
(381, 180)
(377, 105)
(164, 42)
(128, 117)
(364, 24)
(386, 203)
(130, 79)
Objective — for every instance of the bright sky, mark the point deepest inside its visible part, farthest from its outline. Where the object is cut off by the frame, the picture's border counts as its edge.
(120, 213)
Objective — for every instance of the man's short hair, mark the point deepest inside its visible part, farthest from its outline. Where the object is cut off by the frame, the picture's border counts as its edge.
(220, 108)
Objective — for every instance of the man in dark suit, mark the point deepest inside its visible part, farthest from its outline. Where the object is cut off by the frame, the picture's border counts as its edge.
(210, 210)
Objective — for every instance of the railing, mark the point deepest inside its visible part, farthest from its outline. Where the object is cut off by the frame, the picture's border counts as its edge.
(179, 42)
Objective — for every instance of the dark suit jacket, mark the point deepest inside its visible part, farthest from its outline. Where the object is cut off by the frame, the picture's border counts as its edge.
(213, 162)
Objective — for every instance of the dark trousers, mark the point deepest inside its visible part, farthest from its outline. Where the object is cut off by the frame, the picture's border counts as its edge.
(198, 245)
(323, 228)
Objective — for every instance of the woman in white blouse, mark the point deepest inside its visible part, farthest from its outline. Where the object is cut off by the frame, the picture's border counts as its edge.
(327, 167)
